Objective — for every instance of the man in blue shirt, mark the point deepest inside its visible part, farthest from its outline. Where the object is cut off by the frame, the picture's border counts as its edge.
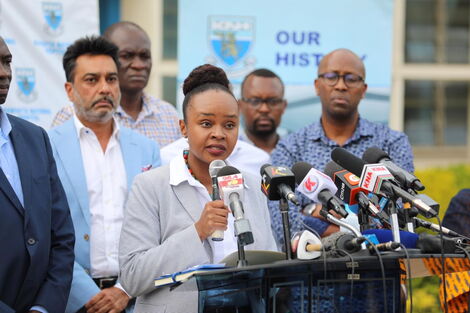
(36, 231)
(341, 86)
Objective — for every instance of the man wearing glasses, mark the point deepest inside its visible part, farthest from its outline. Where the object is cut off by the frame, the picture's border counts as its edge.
(262, 105)
(340, 85)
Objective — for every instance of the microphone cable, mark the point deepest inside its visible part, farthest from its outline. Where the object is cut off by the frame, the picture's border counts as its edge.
(408, 276)
(382, 269)
(464, 250)
(352, 274)
(332, 300)
(443, 265)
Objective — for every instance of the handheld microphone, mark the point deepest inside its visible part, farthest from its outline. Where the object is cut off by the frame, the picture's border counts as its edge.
(377, 179)
(349, 190)
(278, 182)
(214, 168)
(317, 187)
(338, 241)
(406, 179)
(306, 246)
(230, 182)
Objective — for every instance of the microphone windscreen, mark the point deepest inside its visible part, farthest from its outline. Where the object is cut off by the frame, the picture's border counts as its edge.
(300, 170)
(331, 168)
(215, 166)
(409, 240)
(348, 161)
(261, 170)
(227, 170)
(374, 155)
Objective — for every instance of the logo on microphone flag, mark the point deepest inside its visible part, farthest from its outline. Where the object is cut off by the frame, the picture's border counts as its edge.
(311, 184)
(372, 177)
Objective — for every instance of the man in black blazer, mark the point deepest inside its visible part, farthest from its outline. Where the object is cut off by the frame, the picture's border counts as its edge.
(36, 231)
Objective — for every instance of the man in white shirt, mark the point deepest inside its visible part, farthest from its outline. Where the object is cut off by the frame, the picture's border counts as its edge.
(97, 160)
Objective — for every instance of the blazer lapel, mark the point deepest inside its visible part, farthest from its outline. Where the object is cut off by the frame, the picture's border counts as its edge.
(23, 159)
(69, 153)
(130, 155)
(190, 202)
(10, 193)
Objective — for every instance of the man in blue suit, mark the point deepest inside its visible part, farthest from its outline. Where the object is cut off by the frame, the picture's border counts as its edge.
(36, 231)
(97, 160)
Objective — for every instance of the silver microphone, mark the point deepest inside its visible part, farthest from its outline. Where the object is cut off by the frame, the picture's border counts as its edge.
(214, 168)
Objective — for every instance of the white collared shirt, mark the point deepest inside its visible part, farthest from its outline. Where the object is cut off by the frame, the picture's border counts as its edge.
(179, 173)
(107, 189)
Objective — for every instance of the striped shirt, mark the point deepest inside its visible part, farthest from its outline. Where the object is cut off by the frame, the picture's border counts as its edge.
(158, 120)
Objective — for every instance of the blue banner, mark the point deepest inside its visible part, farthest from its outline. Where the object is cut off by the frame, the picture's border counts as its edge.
(289, 38)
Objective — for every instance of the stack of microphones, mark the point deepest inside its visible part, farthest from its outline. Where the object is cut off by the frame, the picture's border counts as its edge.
(383, 195)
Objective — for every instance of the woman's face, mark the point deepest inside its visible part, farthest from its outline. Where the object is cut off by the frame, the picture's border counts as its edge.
(211, 126)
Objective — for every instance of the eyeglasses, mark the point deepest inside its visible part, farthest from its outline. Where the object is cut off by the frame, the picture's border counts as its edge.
(350, 80)
(273, 103)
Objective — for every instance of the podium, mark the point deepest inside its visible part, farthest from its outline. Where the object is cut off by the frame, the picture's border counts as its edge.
(331, 285)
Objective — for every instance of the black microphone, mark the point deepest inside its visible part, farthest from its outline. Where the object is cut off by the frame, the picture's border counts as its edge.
(278, 182)
(317, 187)
(230, 182)
(406, 179)
(446, 231)
(214, 168)
(349, 190)
(338, 241)
(376, 178)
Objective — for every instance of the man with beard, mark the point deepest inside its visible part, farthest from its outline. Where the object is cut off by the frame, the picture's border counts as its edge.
(262, 105)
(36, 231)
(340, 84)
(150, 116)
(97, 160)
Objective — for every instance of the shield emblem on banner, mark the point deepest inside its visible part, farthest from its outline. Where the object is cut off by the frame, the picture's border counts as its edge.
(52, 12)
(26, 80)
(231, 37)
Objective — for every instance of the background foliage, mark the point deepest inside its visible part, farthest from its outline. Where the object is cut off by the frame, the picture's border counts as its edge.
(441, 185)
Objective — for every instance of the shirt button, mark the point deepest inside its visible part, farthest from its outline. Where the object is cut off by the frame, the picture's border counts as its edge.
(86, 237)
(31, 241)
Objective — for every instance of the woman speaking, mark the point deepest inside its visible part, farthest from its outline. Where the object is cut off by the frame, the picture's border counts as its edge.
(169, 213)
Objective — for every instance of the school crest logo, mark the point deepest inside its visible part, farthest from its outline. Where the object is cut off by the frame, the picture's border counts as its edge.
(231, 39)
(53, 15)
(26, 81)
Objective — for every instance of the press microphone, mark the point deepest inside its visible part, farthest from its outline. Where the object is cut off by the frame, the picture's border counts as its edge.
(349, 190)
(385, 246)
(317, 187)
(214, 168)
(306, 246)
(406, 179)
(434, 227)
(338, 241)
(278, 182)
(230, 182)
(377, 179)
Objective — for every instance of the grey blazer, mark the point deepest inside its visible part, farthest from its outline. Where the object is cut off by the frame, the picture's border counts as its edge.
(159, 237)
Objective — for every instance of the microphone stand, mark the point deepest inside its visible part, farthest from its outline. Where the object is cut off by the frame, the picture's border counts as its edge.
(392, 209)
(284, 207)
(330, 218)
(363, 218)
(242, 262)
